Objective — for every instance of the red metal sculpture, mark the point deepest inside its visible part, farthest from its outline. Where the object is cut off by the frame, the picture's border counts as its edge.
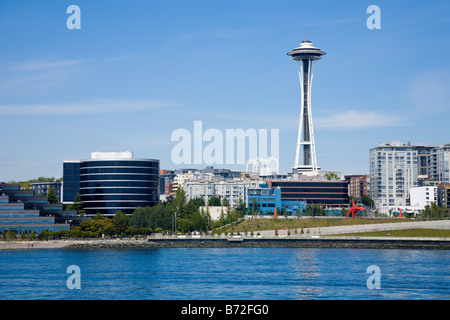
(354, 209)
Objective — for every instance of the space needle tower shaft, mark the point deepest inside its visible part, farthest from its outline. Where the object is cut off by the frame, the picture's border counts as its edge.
(306, 56)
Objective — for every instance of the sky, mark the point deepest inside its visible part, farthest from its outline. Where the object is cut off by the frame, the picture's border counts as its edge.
(137, 71)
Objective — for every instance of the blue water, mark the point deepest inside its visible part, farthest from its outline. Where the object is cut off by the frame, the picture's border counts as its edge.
(224, 273)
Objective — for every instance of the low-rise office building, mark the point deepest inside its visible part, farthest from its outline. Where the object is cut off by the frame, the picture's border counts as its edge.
(329, 194)
(269, 199)
(21, 211)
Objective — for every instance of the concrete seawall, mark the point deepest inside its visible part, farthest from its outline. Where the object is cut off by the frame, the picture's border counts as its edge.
(305, 242)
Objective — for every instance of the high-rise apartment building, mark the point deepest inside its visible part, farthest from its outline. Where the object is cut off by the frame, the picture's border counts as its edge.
(439, 164)
(393, 171)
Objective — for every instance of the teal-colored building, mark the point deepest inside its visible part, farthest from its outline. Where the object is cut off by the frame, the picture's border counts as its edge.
(21, 211)
(269, 199)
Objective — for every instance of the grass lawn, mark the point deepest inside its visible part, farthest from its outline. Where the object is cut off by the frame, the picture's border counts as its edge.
(417, 232)
(279, 224)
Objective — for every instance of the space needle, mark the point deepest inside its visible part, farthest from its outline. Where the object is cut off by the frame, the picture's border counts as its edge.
(306, 56)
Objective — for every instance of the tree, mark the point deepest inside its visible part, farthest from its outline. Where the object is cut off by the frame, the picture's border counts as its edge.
(120, 222)
(225, 202)
(180, 199)
(44, 235)
(98, 217)
(254, 207)
(241, 208)
(214, 201)
(198, 222)
(367, 201)
(314, 210)
(140, 218)
(189, 209)
(77, 205)
(51, 195)
(332, 176)
(183, 225)
(199, 202)
(433, 212)
(160, 216)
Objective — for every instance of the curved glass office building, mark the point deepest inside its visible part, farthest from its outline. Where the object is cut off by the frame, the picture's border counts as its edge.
(114, 181)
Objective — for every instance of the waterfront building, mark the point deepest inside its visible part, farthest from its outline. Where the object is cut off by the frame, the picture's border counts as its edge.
(306, 55)
(329, 194)
(233, 190)
(269, 199)
(393, 171)
(112, 181)
(21, 211)
(42, 188)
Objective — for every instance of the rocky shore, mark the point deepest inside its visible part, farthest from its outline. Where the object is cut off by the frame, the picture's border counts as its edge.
(300, 242)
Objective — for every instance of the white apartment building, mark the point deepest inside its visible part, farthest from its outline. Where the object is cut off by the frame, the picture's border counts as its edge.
(422, 196)
(232, 190)
(180, 179)
(393, 171)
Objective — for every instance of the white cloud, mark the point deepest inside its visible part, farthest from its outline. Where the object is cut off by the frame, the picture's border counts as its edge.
(354, 119)
(89, 107)
(37, 76)
(44, 65)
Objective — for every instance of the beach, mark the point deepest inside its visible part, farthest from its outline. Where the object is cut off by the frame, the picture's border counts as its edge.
(50, 244)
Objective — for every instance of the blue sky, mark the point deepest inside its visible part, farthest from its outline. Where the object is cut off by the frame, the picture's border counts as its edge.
(138, 70)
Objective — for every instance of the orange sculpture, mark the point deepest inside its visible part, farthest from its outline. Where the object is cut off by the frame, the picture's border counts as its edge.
(353, 210)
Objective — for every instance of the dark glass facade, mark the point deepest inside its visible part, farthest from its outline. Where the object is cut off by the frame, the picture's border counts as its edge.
(327, 193)
(71, 180)
(106, 186)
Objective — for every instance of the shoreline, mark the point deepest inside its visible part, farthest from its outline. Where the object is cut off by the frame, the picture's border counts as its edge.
(286, 242)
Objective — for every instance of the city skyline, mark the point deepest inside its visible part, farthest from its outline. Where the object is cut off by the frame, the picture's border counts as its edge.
(134, 73)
